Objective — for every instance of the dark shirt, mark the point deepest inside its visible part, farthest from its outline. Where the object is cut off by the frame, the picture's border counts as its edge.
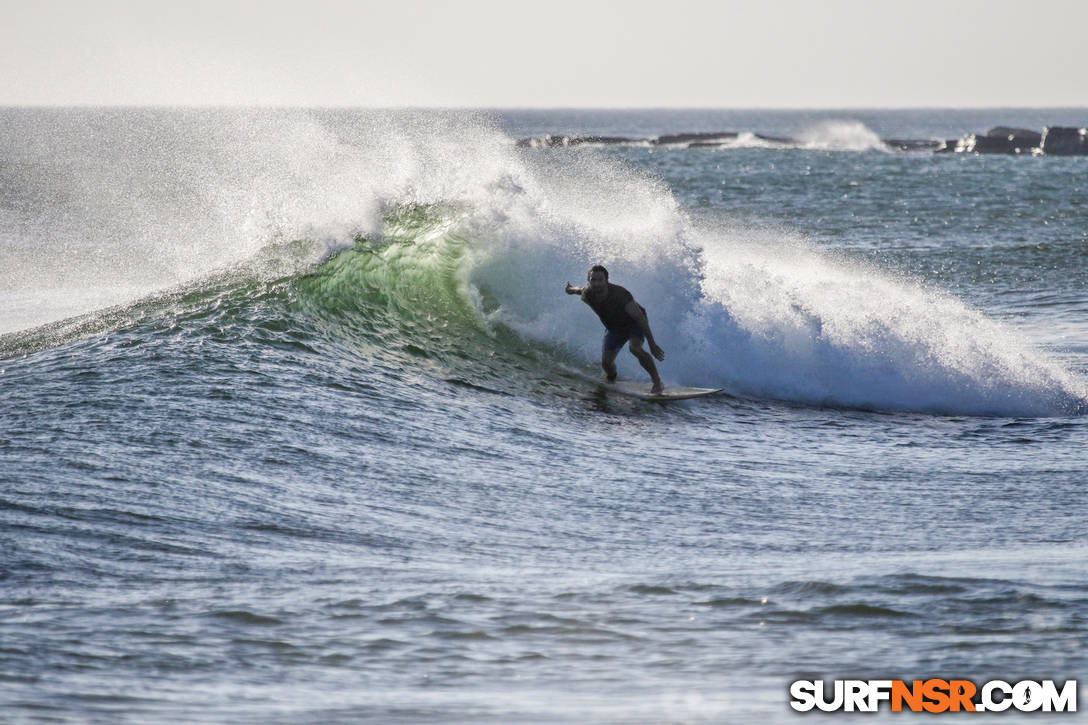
(611, 308)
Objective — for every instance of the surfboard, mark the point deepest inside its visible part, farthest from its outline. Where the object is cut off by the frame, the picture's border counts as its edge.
(671, 392)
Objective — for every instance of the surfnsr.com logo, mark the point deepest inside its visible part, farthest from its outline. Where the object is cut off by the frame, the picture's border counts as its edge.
(933, 695)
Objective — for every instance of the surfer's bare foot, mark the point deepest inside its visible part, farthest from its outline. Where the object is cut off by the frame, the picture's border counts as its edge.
(657, 388)
(610, 378)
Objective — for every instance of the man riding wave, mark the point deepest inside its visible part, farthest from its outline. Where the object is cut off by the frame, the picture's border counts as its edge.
(625, 322)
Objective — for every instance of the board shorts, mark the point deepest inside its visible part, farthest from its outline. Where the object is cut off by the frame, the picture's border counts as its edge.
(614, 339)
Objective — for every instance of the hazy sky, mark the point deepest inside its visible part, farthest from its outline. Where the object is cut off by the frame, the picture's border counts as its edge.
(581, 53)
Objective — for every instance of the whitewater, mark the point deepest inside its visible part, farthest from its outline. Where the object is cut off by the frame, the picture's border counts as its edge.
(299, 423)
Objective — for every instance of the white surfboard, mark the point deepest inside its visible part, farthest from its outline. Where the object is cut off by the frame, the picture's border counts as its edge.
(671, 392)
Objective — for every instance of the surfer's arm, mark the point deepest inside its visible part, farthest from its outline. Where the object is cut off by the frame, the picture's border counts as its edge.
(573, 290)
(635, 311)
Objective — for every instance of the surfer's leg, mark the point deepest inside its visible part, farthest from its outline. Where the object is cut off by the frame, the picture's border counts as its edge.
(647, 362)
(610, 348)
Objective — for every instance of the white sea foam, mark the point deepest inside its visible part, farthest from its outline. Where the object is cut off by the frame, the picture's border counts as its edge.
(749, 140)
(841, 136)
(782, 320)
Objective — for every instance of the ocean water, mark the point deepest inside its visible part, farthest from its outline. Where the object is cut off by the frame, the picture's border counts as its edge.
(298, 425)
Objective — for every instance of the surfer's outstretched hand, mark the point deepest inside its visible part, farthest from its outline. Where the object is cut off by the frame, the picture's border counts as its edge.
(656, 351)
(572, 290)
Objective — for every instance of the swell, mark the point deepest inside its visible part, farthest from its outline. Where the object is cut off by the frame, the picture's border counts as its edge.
(212, 304)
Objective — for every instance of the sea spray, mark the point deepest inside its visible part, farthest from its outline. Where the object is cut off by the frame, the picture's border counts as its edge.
(103, 206)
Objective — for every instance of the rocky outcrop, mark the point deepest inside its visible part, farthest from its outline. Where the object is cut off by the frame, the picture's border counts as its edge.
(1020, 137)
(973, 143)
(912, 144)
(1053, 141)
(553, 141)
(716, 138)
(1064, 141)
(701, 139)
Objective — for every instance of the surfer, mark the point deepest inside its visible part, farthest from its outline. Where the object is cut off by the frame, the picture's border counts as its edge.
(625, 322)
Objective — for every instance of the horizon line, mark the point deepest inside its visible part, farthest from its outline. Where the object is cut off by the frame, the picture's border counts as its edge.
(409, 107)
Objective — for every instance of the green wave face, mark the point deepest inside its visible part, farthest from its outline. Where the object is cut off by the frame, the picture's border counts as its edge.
(402, 296)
